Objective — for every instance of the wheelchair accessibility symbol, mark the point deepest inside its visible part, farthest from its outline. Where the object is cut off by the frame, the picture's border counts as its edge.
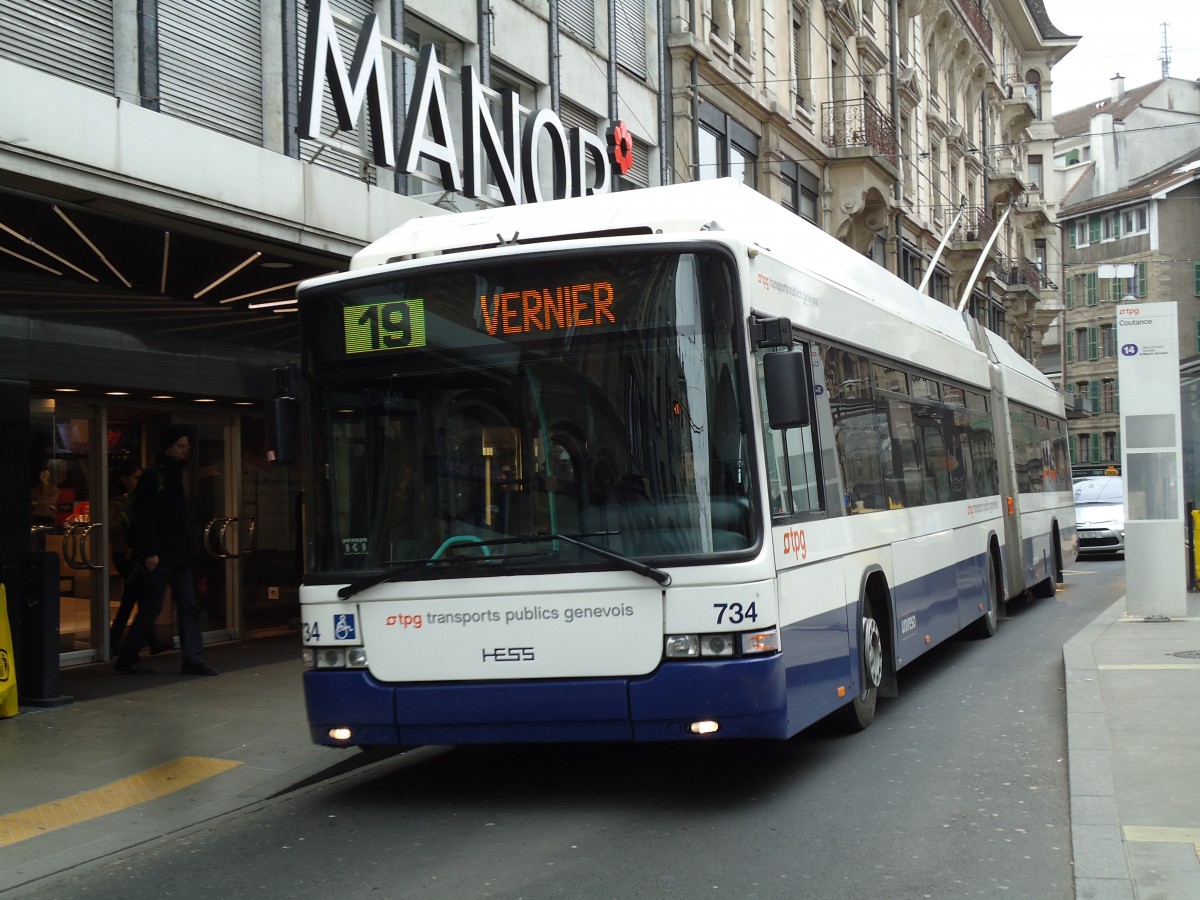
(343, 627)
(1129, 349)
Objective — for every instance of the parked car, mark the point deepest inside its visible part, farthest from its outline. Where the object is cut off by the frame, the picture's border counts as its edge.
(1100, 514)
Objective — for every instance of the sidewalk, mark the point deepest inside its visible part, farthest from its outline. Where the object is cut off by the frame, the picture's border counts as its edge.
(137, 757)
(1133, 733)
(104, 774)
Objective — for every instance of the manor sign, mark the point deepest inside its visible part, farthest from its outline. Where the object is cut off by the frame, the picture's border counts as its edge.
(512, 151)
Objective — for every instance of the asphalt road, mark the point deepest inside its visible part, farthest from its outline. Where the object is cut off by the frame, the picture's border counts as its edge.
(959, 789)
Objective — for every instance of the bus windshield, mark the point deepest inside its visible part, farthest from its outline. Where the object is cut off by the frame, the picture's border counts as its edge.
(598, 396)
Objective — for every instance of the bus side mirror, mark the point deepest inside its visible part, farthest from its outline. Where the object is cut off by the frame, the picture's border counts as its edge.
(283, 423)
(788, 389)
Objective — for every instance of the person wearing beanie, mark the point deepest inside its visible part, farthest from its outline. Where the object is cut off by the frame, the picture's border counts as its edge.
(162, 548)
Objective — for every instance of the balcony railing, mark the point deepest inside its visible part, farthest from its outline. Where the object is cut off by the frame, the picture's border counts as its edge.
(976, 226)
(1018, 271)
(972, 13)
(859, 123)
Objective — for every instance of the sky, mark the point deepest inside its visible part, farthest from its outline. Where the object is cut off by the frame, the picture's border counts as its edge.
(1122, 36)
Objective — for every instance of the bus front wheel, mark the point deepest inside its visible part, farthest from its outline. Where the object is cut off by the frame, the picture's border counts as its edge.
(860, 712)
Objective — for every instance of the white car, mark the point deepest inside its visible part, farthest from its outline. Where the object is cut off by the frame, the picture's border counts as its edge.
(1100, 514)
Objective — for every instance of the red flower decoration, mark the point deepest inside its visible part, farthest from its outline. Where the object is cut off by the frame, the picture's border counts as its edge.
(620, 147)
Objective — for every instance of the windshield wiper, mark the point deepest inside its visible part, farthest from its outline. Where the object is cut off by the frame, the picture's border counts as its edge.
(394, 574)
(409, 566)
(625, 562)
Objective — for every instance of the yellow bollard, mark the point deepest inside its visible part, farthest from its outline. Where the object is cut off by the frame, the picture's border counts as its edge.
(1196, 548)
(8, 669)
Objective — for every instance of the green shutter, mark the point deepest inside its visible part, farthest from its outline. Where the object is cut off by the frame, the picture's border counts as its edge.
(1071, 234)
(1069, 291)
(1095, 448)
(1093, 339)
(1094, 229)
(1071, 344)
(1092, 280)
(1143, 288)
(1094, 392)
(1196, 278)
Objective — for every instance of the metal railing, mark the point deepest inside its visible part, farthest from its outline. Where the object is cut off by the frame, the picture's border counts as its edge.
(972, 13)
(976, 226)
(859, 123)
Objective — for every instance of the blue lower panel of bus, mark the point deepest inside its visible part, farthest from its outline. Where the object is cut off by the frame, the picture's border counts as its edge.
(746, 697)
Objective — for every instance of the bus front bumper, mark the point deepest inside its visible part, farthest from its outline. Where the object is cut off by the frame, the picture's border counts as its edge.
(745, 698)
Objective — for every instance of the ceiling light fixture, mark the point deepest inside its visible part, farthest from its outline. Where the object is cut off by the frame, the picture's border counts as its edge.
(116, 393)
(32, 243)
(249, 259)
(32, 262)
(163, 397)
(83, 237)
(267, 305)
(277, 265)
(278, 287)
(162, 287)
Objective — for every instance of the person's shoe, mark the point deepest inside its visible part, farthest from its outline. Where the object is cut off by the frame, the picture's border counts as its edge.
(197, 668)
(157, 646)
(132, 668)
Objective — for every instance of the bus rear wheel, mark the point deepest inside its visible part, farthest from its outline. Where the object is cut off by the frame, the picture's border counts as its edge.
(860, 712)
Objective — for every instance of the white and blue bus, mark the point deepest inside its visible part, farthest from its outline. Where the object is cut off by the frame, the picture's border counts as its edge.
(669, 464)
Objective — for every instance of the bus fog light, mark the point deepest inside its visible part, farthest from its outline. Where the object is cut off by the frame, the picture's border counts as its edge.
(761, 641)
(356, 658)
(706, 727)
(339, 734)
(682, 646)
(716, 645)
(309, 657)
(331, 658)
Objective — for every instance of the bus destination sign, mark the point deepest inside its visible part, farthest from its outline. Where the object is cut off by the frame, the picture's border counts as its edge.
(390, 325)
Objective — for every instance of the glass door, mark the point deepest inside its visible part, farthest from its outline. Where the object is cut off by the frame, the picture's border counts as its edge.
(67, 501)
(211, 482)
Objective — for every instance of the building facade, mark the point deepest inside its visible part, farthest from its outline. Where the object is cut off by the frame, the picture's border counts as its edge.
(1131, 232)
(169, 173)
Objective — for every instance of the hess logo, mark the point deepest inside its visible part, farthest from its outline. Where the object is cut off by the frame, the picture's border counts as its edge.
(794, 543)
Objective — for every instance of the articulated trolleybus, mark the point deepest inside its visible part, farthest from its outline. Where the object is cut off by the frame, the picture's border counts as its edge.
(668, 464)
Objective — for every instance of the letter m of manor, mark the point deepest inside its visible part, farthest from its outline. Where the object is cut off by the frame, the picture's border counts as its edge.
(367, 80)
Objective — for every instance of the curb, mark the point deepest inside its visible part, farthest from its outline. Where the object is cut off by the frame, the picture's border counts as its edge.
(1102, 868)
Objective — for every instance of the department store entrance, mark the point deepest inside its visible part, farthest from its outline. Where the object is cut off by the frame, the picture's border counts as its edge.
(244, 518)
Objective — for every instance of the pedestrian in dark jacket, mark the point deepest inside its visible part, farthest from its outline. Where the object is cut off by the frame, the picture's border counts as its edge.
(162, 547)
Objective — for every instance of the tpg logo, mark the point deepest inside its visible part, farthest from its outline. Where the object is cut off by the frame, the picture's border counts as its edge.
(794, 543)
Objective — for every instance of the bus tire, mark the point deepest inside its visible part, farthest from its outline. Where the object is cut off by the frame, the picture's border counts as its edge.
(985, 625)
(860, 712)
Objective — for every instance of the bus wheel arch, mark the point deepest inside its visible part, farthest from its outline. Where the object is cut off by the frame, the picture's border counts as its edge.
(1046, 587)
(877, 673)
(993, 583)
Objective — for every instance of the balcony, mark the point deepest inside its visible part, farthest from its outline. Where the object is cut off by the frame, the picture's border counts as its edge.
(970, 11)
(975, 227)
(1019, 273)
(848, 124)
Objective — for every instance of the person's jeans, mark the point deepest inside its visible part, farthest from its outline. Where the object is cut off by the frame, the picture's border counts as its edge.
(183, 590)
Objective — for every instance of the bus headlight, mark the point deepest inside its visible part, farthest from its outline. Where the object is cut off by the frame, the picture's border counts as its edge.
(683, 646)
(693, 646)
(716, 645)
(335, 657)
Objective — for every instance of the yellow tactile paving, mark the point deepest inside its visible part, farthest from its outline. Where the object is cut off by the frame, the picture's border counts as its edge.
(1147, 667)
(1161, 834)
(157, 782)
